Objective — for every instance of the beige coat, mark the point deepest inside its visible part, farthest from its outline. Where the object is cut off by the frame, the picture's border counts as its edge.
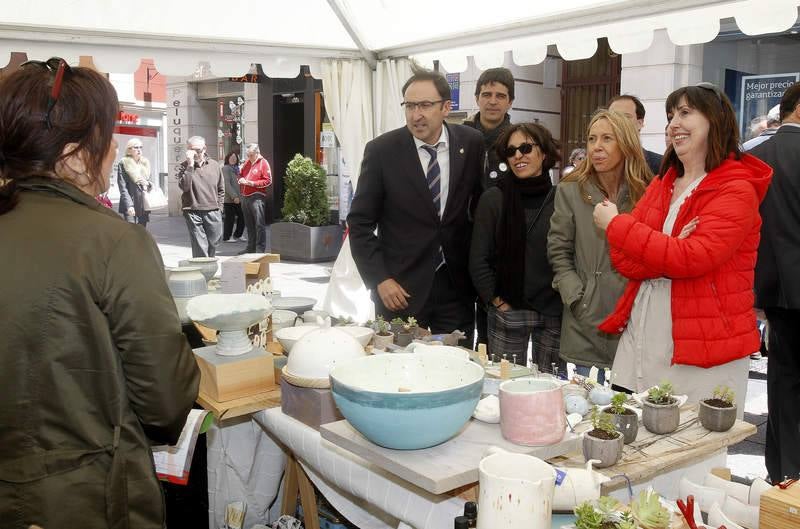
(589, 286)
(93, 365)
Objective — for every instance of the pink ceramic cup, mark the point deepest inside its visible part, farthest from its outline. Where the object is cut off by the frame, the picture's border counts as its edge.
(532, 411)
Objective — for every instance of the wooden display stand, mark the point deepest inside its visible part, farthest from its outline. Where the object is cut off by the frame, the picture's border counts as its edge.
(296, 482)
(225, 378)
(780, 508)
(311, 406)
(243, 270)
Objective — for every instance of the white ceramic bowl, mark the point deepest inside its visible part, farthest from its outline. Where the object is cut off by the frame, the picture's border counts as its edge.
(289, 336)
(407, 400)
(208, 265)
(186, 281)
(316, 353)
(282, 318)
(231, 315)
(447, 350)
(362, 334)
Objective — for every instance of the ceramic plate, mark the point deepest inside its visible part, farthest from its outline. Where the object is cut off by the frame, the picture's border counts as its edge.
(298, 305)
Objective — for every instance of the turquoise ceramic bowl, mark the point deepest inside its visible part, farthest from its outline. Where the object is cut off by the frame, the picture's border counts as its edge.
(407, 401)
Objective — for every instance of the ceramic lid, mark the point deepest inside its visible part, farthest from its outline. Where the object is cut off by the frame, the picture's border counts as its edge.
(317, 352)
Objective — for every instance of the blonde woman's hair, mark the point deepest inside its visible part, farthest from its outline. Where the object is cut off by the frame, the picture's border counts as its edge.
(636, 172)
(131, 143)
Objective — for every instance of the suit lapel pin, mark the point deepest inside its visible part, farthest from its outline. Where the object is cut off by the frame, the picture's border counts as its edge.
(461, 150)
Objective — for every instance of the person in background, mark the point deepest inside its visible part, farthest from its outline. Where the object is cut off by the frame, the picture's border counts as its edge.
(508, 258)
(494, 94)
(773, 122)
(200, 178)
(576, 157)
(632, 108)
(232, 213)
(133, 180)
(689, 250)
(589, 286)
(256, 188)
(777, 283)
(419, 185)
(94, 368)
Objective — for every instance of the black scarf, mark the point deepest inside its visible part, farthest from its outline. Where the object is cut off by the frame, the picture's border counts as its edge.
(512, 231)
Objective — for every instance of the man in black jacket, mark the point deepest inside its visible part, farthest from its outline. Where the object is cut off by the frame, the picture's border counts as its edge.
(419, 185)
(777, 285)
(633, 109)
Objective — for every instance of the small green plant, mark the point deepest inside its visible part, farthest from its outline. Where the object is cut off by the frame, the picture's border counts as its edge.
(661, 394)
(412, 321)
(602, 514)
(381, 326)
(648, 512)
(725, 394)
(306, 199)
(398, 321)
(603, 422)
(618, 403)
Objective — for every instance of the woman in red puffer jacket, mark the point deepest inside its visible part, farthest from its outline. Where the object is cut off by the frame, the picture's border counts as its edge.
(689, 251)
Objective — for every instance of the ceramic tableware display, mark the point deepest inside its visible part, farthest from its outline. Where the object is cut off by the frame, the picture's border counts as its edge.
(578, 485)
(406, 400)
(282, 319)
(316, 353)
(231, 315)
(516, 491)
(185, 282)
(208, 265)
(532, 411)
(289, 336)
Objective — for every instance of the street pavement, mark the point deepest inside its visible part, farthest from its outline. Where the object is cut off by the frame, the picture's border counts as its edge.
(745, 459)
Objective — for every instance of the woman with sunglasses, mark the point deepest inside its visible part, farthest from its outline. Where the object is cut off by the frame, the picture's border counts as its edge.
(507, 256)
(93, 365)
(615, 170)
(133, 180)
(689, 251)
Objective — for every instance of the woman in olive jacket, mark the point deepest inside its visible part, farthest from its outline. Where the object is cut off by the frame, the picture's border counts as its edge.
(93, 366)
(615, 170)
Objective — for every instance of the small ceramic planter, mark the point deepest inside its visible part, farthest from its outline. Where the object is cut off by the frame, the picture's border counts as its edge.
(382, 342)
(627, 424)
(607, 451)
(661, 418)
(403, 338)
(716, 419)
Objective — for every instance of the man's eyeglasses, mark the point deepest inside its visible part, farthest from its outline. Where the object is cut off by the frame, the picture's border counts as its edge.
(523, 148)
(712, 87)
(60, 67)
(411, 106)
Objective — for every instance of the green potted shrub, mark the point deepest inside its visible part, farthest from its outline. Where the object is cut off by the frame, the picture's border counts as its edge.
(306, 233)
(719, 412)
(383, 337)
(397, 324)
(603, 443)
(605, 513)
(660, 412)
(648, 512)
(626, 421)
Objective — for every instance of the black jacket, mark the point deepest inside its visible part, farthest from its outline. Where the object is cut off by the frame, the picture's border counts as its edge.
(492, 173)
(777, 279)
(538, 294)
(392, 194)
(653, 161)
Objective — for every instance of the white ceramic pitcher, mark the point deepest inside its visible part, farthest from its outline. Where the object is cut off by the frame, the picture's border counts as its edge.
(516, 491)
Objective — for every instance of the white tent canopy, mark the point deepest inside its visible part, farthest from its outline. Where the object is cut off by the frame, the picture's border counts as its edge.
(231, 35)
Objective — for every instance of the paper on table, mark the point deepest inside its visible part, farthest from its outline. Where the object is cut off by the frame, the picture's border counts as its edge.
(173, 462)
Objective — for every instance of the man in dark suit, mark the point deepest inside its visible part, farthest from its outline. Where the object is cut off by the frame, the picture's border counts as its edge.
(419, 185)
(633, 109)
(777, 284)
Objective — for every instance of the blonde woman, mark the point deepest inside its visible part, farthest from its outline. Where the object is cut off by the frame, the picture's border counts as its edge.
(615, 170)
(133, 179)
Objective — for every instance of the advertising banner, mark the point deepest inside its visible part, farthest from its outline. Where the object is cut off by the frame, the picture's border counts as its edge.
(454, 80)
(759, 94)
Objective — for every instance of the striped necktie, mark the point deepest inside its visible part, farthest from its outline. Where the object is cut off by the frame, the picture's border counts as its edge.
(434, 178)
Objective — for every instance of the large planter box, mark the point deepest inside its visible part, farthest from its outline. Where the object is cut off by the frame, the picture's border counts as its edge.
(298, 242)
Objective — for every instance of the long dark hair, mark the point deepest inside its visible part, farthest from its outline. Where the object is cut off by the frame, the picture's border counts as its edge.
(84, 114)
(723, 131)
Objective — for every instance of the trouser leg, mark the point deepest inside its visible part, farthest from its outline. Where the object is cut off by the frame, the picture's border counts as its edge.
(250, 222)
(197, 236)
(212, 223)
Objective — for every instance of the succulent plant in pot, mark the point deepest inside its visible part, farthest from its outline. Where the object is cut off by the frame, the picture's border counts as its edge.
(719, 412)
(383, 337)
(405, 333)
(660, 411)
(603, 443)
(605, 513)
(397, 324)
(648, 512)
(626, 421)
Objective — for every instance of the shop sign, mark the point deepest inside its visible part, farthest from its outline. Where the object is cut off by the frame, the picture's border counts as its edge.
(454, 80)
(760, 93)
(127, 117)
(246, 78)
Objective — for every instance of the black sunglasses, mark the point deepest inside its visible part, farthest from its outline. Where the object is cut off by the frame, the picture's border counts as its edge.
(523, 148)
(712, 87)
(60, 67)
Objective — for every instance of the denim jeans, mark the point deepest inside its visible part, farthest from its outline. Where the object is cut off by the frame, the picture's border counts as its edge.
(584, 371)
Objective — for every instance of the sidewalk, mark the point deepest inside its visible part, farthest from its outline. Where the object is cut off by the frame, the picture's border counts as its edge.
(745, 459)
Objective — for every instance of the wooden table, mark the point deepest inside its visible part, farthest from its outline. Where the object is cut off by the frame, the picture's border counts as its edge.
(650, 454)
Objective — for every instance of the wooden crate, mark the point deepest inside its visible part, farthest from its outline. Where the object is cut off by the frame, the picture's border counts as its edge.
(780, 509)
(311, 406)
(243, 270)
(225, 378)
